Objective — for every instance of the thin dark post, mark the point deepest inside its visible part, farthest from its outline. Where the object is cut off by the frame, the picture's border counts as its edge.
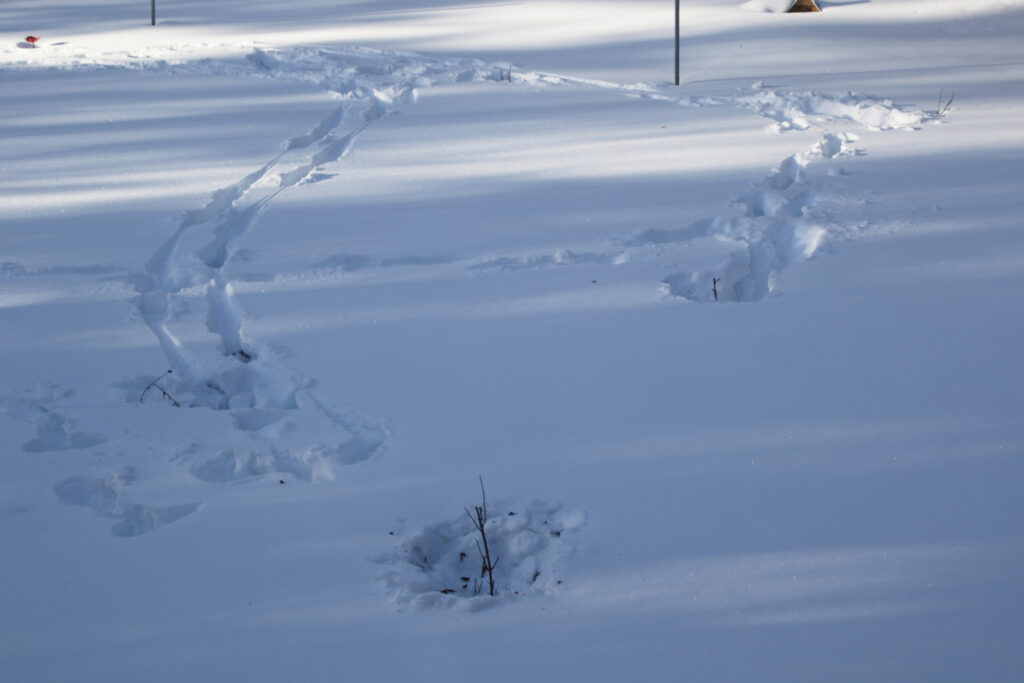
(152, 12)
(677, 41)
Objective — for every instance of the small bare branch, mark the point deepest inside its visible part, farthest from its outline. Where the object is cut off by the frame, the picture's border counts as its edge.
(949, 103)
(483, 494)
(482, 546)
(163, 391)
(941, 109)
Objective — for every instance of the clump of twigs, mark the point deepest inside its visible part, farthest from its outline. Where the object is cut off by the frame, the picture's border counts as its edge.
(479, 520)
(155, 384)
(941, 109)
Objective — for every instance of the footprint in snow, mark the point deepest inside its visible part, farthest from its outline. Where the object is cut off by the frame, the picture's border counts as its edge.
(105, 497)
(55, 429)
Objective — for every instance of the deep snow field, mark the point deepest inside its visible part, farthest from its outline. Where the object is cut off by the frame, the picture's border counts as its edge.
(280, 281)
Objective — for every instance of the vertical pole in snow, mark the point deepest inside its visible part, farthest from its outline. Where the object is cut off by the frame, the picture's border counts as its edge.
(152, 12)
(677, 41)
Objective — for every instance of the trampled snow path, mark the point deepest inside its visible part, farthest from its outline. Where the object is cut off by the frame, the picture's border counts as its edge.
(782, 217)
(187, 297)
(282, 425)
(789, 110)
(237, 373)
(780, 220)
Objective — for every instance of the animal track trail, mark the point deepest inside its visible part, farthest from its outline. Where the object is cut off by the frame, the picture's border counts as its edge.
(777, 221)
(231, 213)
(780, 220)
(187, 298)
(240, 376)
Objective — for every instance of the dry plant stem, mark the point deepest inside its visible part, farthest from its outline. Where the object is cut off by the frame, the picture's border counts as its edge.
(162, 390)
(480, 524)
(941, 109)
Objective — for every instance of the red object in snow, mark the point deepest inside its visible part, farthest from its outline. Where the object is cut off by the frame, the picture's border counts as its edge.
(31, 39)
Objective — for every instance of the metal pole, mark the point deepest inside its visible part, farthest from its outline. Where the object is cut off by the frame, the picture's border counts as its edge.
(152, 11)
(677, 41)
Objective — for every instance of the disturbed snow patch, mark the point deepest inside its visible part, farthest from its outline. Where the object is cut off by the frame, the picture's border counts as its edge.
(783, 219)
(788, 109)
(441, 566)
(791, 110)
(104, 496)
(55, 429)
(186, 290)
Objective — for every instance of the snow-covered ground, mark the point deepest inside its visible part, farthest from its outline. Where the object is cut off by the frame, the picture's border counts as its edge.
(279, 282)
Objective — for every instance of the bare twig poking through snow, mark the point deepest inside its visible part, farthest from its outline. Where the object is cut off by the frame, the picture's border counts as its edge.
(480, 523)
(941, 109)
(163, 391)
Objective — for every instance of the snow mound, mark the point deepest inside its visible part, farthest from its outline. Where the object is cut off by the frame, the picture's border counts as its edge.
(440, 566)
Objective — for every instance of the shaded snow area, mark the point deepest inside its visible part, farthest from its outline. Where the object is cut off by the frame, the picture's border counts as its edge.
(283, 287)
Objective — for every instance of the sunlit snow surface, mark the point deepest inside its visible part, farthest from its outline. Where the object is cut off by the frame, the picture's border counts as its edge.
(736, 360)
